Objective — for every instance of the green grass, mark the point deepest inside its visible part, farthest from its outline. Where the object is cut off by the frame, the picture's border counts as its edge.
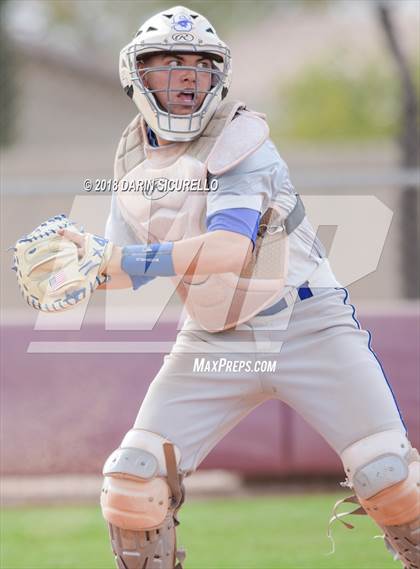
(259, 533)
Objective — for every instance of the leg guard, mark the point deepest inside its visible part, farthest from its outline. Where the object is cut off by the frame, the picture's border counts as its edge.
(140, 497)
(384, 472)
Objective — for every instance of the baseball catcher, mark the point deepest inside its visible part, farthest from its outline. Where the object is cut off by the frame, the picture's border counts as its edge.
(246, 263)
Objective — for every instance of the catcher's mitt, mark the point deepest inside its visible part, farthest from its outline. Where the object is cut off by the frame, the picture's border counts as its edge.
(50, 274)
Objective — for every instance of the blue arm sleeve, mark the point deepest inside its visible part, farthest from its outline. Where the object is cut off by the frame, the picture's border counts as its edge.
(241, 220)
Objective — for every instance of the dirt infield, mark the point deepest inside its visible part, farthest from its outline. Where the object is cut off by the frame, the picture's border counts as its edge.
(85, 489)
(19, 491)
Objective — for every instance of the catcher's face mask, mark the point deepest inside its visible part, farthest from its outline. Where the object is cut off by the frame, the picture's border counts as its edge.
(178, 83)
(176, 70)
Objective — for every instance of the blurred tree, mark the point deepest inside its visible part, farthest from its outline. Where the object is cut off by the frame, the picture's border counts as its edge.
(409, 140)
(340, 102)
(7, 85)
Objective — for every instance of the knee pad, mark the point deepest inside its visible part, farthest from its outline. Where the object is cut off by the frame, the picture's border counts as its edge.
(140, 497)
(138, 492)
(384, 472)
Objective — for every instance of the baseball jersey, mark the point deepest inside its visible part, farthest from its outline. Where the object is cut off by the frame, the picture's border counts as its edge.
(259, 179)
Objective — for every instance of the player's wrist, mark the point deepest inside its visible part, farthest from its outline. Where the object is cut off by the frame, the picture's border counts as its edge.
(151, 260)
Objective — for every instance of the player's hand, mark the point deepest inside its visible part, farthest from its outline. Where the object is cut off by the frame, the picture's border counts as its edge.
(76, 238)
(113, 267)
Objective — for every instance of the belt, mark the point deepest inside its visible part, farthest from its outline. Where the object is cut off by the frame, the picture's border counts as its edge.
(302, 293)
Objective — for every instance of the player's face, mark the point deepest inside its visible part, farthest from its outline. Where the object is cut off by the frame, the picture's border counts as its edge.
(178, 91)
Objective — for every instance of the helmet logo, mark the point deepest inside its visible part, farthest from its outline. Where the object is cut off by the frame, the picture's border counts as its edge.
(182, 23)
(183, 37)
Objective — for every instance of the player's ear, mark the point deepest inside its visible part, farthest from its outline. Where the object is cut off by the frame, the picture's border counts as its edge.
(142, 64)
(143, 76)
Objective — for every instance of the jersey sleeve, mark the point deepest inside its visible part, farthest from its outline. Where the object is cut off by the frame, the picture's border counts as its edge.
(245, 186)
(259, 179)
(240, 220)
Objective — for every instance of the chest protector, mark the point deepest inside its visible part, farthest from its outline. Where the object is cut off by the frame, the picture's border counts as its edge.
(217, 301)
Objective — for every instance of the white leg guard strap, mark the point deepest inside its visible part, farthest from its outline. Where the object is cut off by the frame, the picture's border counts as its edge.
(384, 471)
(139, 500)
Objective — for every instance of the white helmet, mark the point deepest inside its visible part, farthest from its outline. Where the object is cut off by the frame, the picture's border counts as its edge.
(176, 30)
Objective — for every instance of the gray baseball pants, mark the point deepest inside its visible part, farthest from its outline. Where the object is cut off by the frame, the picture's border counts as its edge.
(324, 369)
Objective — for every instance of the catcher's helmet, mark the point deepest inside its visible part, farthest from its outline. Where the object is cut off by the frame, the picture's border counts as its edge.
(178, 30)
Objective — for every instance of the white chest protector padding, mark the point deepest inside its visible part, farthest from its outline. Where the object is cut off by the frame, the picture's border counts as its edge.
(219, 301)
(160, 213)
